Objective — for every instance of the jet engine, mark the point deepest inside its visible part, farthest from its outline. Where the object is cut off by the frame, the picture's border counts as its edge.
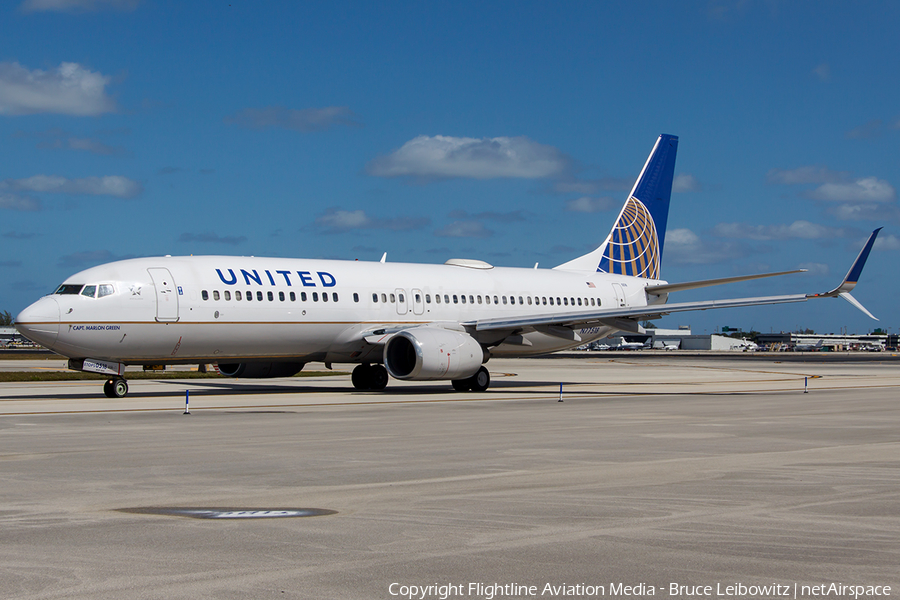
(260, 370)
(428, 353)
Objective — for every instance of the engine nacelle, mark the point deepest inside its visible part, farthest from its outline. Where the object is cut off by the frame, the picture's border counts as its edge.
(259, 370)
(428, 353)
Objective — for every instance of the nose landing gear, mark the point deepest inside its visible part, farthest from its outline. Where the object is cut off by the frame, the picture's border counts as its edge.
(115, 388)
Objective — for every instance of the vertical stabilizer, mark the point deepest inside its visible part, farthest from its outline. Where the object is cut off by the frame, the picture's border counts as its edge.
(635, 244)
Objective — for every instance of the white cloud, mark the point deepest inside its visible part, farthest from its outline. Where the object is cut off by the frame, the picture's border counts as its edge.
(465, 229)
(21, 202)
(797, 230)
(801, 175)
(442, 157)
(69, 89)
(865, 211)
(586, 204)
(336, 220)
(866, 189)
(866, 131)
(306, 120)
(212, 238)
(684, 247)
(685, 183)
(886, 242)
(815, 268)
(77, 5)
(112, 185)
(592, 186)
(823, 72)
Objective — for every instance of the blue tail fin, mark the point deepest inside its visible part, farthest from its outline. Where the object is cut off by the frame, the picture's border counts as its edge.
(635, 244)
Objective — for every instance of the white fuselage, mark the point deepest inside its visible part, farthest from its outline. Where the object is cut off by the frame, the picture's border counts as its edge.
(220, 308)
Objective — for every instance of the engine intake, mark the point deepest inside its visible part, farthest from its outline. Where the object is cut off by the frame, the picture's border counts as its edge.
(259, 370)
(430, 353)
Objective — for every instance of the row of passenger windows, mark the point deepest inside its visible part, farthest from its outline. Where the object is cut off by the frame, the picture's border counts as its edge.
(292, 296)
(385, 297)
(512, 300)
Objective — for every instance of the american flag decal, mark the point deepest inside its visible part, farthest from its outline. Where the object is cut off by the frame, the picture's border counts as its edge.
(590, 284)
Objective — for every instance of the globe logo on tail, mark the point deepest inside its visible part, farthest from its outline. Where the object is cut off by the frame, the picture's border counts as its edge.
(633, 247)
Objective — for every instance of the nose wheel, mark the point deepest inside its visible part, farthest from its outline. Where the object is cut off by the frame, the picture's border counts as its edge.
(115, 388)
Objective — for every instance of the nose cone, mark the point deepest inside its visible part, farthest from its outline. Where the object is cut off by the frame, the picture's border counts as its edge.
(40, 321)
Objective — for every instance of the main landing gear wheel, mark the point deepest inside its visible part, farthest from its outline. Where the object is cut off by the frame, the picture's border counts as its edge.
(478, 382)
(373, 378)
(115, 388)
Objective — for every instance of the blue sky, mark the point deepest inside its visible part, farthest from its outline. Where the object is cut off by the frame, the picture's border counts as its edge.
(505, 131)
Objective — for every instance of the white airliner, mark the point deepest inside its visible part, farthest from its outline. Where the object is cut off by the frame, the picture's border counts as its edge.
(268, 317)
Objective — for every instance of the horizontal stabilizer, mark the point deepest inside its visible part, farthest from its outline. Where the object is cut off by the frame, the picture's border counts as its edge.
(692, 285)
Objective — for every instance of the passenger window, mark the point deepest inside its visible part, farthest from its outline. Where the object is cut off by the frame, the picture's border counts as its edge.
(479, 299)
(303, 296)
(463, 298)
(374, 297)
(402, 298)
(558, 301)
(293, 297)
(572, 300)
(592, 301)
(355, 297)
(520, 300)
(237, 295)
(427, 298)
(249, 295)
(455, 299)
(471, 299)
(324, 296)
(495, 300)
(566, 301)
(227, 295)
(384, 297)
(446, 299)
(544, 300)
(437, 298)
(204, 294)
(281, 296)
(259, 296)
(334, 296)
(393, 298)
(598, 301)
(487, 299)
(529, 300)
(551, 300)
(579, 302)
(315, 296)
(106, 289)
(216, 295)
(512, 299)
(418, 298)
(270, 296)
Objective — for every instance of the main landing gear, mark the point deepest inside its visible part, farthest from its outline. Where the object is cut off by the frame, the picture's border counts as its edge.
(476, 383)
(115, 388)
(373, 378)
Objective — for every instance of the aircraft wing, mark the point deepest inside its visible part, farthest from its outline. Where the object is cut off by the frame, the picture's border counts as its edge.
(626, 318)
(616, 317)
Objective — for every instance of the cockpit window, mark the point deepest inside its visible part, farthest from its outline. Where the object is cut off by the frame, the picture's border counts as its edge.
(71, 289)
(105, 289)
(89, 290)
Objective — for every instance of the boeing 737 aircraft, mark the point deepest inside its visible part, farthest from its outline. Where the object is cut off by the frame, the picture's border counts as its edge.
(268, 317)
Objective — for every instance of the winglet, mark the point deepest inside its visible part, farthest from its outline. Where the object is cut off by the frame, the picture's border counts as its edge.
(852, 277)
